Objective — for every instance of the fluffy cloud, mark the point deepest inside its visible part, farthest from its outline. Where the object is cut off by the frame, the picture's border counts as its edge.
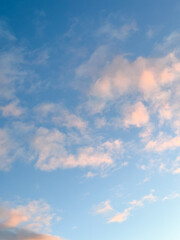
(25, 221)
(51, 152)
(150, 82)
(36, 215)
(136, 115)
(144, 74)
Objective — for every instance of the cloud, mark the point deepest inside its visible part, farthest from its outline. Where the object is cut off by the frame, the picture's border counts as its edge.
(163, 143)
(150, 82)
(169, 43)
(23, 222)
(9, 150)
(5, 33)
(171, 196)
(59, 115)
(36, 216)
(92, 66)
(144, 75)
(119, 33)
(23, 234)
(48, 145)
(51, 153)
(11, 72)
(90, 175)
(123, 216)
(176, 166)
(103, 208)
(136, 115)
(12, 109)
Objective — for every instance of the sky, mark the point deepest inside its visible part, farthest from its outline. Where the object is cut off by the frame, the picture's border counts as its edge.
(89, 120)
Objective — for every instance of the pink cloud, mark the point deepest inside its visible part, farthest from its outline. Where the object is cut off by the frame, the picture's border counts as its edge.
(49, 146)
(123, 216)
(136, 115)
(163, 143)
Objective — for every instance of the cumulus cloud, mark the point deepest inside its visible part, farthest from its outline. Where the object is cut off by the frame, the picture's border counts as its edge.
(25, 221)
(151, 82)
(51, 152)
(136, 115)
(36, 215)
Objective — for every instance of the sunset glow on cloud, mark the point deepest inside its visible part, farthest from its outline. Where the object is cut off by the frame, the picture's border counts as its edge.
(90, 120)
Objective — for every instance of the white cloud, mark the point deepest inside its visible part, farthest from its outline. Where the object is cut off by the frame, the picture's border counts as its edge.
(103, 208)
(123, 216)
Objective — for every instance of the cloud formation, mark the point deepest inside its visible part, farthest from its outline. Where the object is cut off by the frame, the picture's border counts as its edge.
(123, 216)
(25, 221)
(103, 208)
(51, 152)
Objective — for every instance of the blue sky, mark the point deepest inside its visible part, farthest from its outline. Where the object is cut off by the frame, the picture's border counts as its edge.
(89, 120)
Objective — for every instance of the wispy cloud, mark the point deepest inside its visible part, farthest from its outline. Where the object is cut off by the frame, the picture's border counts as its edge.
(5, 33)
(12, 109)
(163, 143)
(123, 216)
(116, 32)
(103, 208)
(59, 115)
(9, 150)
